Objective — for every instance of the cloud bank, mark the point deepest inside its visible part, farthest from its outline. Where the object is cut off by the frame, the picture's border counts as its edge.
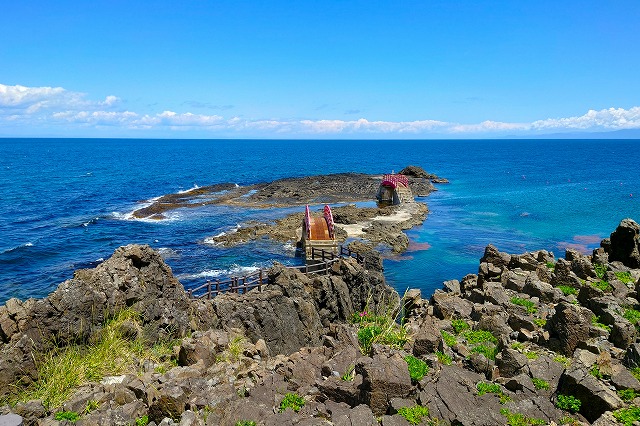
(64, 110)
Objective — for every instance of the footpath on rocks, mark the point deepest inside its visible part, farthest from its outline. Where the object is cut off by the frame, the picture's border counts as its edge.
(527, 340)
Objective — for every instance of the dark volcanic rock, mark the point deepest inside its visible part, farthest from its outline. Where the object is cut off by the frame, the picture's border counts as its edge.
(625, 244)
(383, 378)
(570, 324)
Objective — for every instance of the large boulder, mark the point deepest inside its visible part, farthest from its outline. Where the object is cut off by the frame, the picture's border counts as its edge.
(570, 325)
(624, 244)
(383, 378)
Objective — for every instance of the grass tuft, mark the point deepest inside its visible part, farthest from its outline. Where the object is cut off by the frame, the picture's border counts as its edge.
(596, 322)
(568, 290)
(293, 401)
(417, 368)
(381, 329)
(568, 403)
(448, 338)
(112, 352)
(415, 414)
(459, 325)
(540, 384)
(528, 304)
(444, 358)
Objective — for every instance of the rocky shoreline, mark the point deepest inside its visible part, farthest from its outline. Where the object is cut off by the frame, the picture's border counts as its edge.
(529, 339)
(288, 192)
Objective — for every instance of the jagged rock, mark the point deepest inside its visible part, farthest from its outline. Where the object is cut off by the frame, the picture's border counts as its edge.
(544, 367)
(202, 346)
(564, 275)
(135, 276)
(526, 262)
(621, 378)
(596, 397)
(383, 379)
(600, 256)
(545, 292)
(625, 244)
(511, 362)
(514, 279)
(452, 397)
(570, 324)
(580, 264)
(632, 356)
(495, 293)
(496, 324)
(623, 333)
(428, 338)
(469, 282)
(495, 257)
(446, 306)
(451, 286)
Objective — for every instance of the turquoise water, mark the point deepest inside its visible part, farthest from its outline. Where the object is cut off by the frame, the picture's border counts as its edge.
(66, 203)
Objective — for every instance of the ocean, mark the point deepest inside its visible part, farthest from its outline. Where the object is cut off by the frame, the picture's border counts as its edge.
(66, 203)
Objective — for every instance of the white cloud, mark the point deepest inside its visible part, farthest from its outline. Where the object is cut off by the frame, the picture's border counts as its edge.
(45, 106)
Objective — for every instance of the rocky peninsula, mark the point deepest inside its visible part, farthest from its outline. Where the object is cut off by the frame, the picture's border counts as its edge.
(529, 339)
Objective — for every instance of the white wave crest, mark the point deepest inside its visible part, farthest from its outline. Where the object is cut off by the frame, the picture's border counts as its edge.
(234, 271)
(184, 191)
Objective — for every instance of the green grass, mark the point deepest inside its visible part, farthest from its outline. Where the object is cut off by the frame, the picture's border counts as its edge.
(479, 336)
(595, 371)
(602, 285)
(443, 358)
(459, 325)
(625, 277)
(517, 419)
(293, 401)
(540, 384)
(635, 371)
(627, 394)
(568, 290)
(596, 321)
(568, 403)
(601, 270)
(61, 371)
(245, 423)
(540, 322)
(381, 329)
(627, 416)
(415, 414)
(489, 352)
(528, 304)
(448, 338)
(417, 368)
(483, 388)
(531, 354)
(551, 266)
(631, 315)
(142, 421)
(562, 360)
(71, 416)
(350, 374)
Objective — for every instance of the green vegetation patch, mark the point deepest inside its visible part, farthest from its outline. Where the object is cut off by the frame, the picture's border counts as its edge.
(596, 321)
(381, 329)
(627, 416)
(245, 423)
(635, 371)
(627, 394)
(448, 338)
(444, 358)
(568, 403)
(483, 388)
(528, 304)
(601, 270)
(540, 384)
(70, 416)
(517, 419)
(479, 336)
(459, 325)
(567, 290)
(142, 421)
(489, 352)
(632, 316)
(625, 277)
(293, 401)
(602, 285)
(415, 414)
(540, 322)
(417, 368)
(595, 371)
(350, 374)
(551, 266)
(61, 371)
(562, 360)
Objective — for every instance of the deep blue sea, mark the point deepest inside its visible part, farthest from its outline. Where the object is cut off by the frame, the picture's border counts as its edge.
(65, 203)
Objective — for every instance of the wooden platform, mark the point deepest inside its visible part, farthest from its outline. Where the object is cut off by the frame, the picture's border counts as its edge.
(319, 229)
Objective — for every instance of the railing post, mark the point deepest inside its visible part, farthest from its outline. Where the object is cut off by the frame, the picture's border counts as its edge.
(260, 281)
(218, 286)
(190, 294)
(208, 290)
(323, 255)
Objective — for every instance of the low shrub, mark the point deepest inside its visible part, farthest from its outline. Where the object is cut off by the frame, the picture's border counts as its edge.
(483, 388)
(625, 277)
(293, 401)
(489, 352)
(70, 416)
(627, 394)
(602, 285)
(562, 360)
(596, 321)
(601, 270)
(551, 266)
(568, 403)
(381, 329)
(568, 290)
(540, 384)
(459, 325)
(528, 304)
(448, 338)
(517, 419)
(417, 368)
(350, 374)
(245, 423)
(627, 416)
(414, 415)
(443, 358)
(540, 322)
(479, 336)
(632, 316)
(142, 421)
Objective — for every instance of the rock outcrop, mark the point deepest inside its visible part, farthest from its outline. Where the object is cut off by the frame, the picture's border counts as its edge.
(527, 340)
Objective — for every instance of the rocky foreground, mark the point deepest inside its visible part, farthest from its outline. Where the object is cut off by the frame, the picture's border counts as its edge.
(529, 339)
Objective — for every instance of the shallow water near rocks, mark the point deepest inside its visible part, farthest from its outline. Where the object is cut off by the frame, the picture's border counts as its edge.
(66, 203)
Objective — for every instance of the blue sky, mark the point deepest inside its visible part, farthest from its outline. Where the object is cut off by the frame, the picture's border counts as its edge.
(310, 69)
